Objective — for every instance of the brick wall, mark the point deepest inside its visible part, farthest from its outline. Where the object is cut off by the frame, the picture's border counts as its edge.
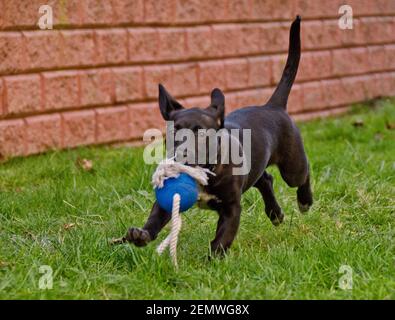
(93, 78)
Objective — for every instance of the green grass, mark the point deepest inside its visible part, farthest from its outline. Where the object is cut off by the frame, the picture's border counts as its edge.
(351, 223)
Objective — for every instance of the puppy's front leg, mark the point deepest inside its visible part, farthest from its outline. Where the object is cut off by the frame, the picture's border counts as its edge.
(155, 223)
(228, 224)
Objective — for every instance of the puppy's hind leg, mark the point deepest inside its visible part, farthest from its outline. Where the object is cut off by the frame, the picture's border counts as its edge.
(272, 209)
(296, 174)
(305, 196)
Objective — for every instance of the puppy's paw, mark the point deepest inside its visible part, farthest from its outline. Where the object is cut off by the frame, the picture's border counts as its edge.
(217, 251)
(139, 237)
(276, 216)
(303, 208)
(278, 219)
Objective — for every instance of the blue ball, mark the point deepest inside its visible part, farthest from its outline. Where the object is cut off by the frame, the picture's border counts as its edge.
(184, 185)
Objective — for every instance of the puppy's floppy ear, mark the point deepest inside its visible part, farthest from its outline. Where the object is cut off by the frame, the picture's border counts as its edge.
(218, 105)
(167, 104)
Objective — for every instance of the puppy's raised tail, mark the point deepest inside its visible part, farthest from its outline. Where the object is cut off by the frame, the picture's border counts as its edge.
(280, 95)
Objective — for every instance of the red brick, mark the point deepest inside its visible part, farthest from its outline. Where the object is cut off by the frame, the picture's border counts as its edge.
(355, 36)
(269, 10)
(377, 58)
(236, 73)
(251, 41)
(112, 124)
(128, 11)
(367, 7)
(144, 116)
(12, 138)
(311, 34)
(232, 102)
(97, 87)
(23, 94)
(255, 97)
(312, 95)
(278, 63)
(373, 86)
(199, 42)
(66, 13)
(334, 93)
(207, 14)
(378, 29)
(199, 102)
(128, 83)
(153, 75)
(187, 11)
(78, 128)
(274, 37)
(12, 53)
(315, 65)
(368, 31)
(226, 40)
(43, 49)
(79, 47)
(341, 63)
(259, 71)
(320, 34)
(370, 86)
(20, 13)
(388, 6)
(112, 46)
(2, 98)
(350, 61)
(43, 133)
(239, 9)
(185, 79)
(61, 90)
(143, 44)
(172, 45)
(295, 100)
(97, 12)
(159, 11)
(386, 82)
(211, 75)
(390, 54)
(317, 9)
(354, 88)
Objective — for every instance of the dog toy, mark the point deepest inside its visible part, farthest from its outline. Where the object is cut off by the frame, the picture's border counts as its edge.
(176, 190)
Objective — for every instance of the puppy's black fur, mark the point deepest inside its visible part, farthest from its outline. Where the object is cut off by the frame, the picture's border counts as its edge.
(275, 140)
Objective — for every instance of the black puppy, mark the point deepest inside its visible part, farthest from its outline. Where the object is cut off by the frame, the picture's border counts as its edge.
(275, 139)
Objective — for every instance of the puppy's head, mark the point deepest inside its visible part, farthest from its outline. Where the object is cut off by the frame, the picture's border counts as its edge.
(195, 120)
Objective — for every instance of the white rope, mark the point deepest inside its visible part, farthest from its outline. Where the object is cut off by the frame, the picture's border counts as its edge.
(172, 239)
(168, 168)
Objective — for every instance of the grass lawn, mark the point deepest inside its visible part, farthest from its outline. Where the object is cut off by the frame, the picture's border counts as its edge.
(54, 213)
